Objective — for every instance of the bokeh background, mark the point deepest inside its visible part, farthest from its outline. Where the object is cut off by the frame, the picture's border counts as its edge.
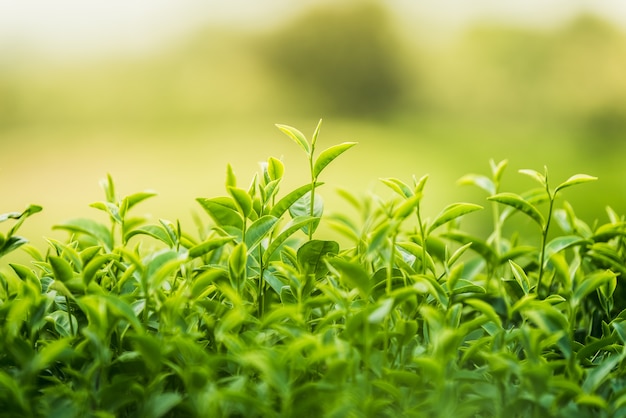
(163, 94)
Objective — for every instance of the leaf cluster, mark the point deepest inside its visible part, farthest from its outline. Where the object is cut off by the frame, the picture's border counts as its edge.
(254, 316)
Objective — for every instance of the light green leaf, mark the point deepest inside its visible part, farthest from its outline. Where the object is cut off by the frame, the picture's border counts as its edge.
(291, 228)
(328, 155)
(520, 277)
(296, 135)
(231, 179)
(208, 246)
(259, 230)
(62, 270)
(575, 179)
(479, 181)
(285, 203)
(154, 231)
(540, 178)
(352, 274)
(561, 243)
(135, 198)
(451, 212)
(223, 210)
(592, 282)
(242, 200)
(275, 168)
(517, 202)
(89, 227)
(398, 186)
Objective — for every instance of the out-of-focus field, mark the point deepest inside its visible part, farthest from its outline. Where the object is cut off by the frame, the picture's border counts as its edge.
(171, 120)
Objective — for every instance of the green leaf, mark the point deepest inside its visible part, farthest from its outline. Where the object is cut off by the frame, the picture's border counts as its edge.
(352, 274)
(316, 133)
(242, 200)
(223, 210)
(398, 186)
(486, 309)
(451, 212)
(479, 181)
(561, 243)
(433, 287)
(135, 198)
(477, 244)
(600, 373)
(291, 228)
(237, 263)
(575, 179)
(208, 246)
(592, 282)
(381, 310)
(520, 277)
(498, 169)
(328, 155)
(155, 231)
(93, 266)
(259, 230)
(296, 135)
(111, 208)
(91, 228)
(311, 256)
(285, 203)
(231, 179)
(407, 207)
(61, 269)
(517, 202)
(537, 176)
(11, 244)
(302, 207)
(275, 168)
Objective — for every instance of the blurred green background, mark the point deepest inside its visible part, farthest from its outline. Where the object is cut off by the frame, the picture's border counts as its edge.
(421, 90)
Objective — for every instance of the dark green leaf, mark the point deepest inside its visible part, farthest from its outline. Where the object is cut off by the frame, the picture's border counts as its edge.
(311, 256)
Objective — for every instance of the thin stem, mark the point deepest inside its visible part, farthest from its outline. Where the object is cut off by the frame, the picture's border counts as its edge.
(69, 315)
(544, 239)
(423, 238)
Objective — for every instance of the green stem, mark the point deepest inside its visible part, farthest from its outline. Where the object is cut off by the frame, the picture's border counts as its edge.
(69, 315)
(261, 307)
(544, 239)
(423, 238)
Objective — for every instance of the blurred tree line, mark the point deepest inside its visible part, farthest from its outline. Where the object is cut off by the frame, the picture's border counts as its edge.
(351, 61)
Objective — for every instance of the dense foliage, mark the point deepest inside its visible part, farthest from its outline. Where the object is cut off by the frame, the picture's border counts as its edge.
(254, 316)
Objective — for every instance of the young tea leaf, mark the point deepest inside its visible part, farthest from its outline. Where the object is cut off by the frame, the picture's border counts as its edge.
(519, 203)
(575, 179)
(328, 155)
(296, 135)
(451, 212)
(285, 203)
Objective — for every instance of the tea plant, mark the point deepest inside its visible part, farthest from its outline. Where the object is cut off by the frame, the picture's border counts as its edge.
(254, 316)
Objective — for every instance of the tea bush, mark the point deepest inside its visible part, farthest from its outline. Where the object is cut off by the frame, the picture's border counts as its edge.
(254, 316)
